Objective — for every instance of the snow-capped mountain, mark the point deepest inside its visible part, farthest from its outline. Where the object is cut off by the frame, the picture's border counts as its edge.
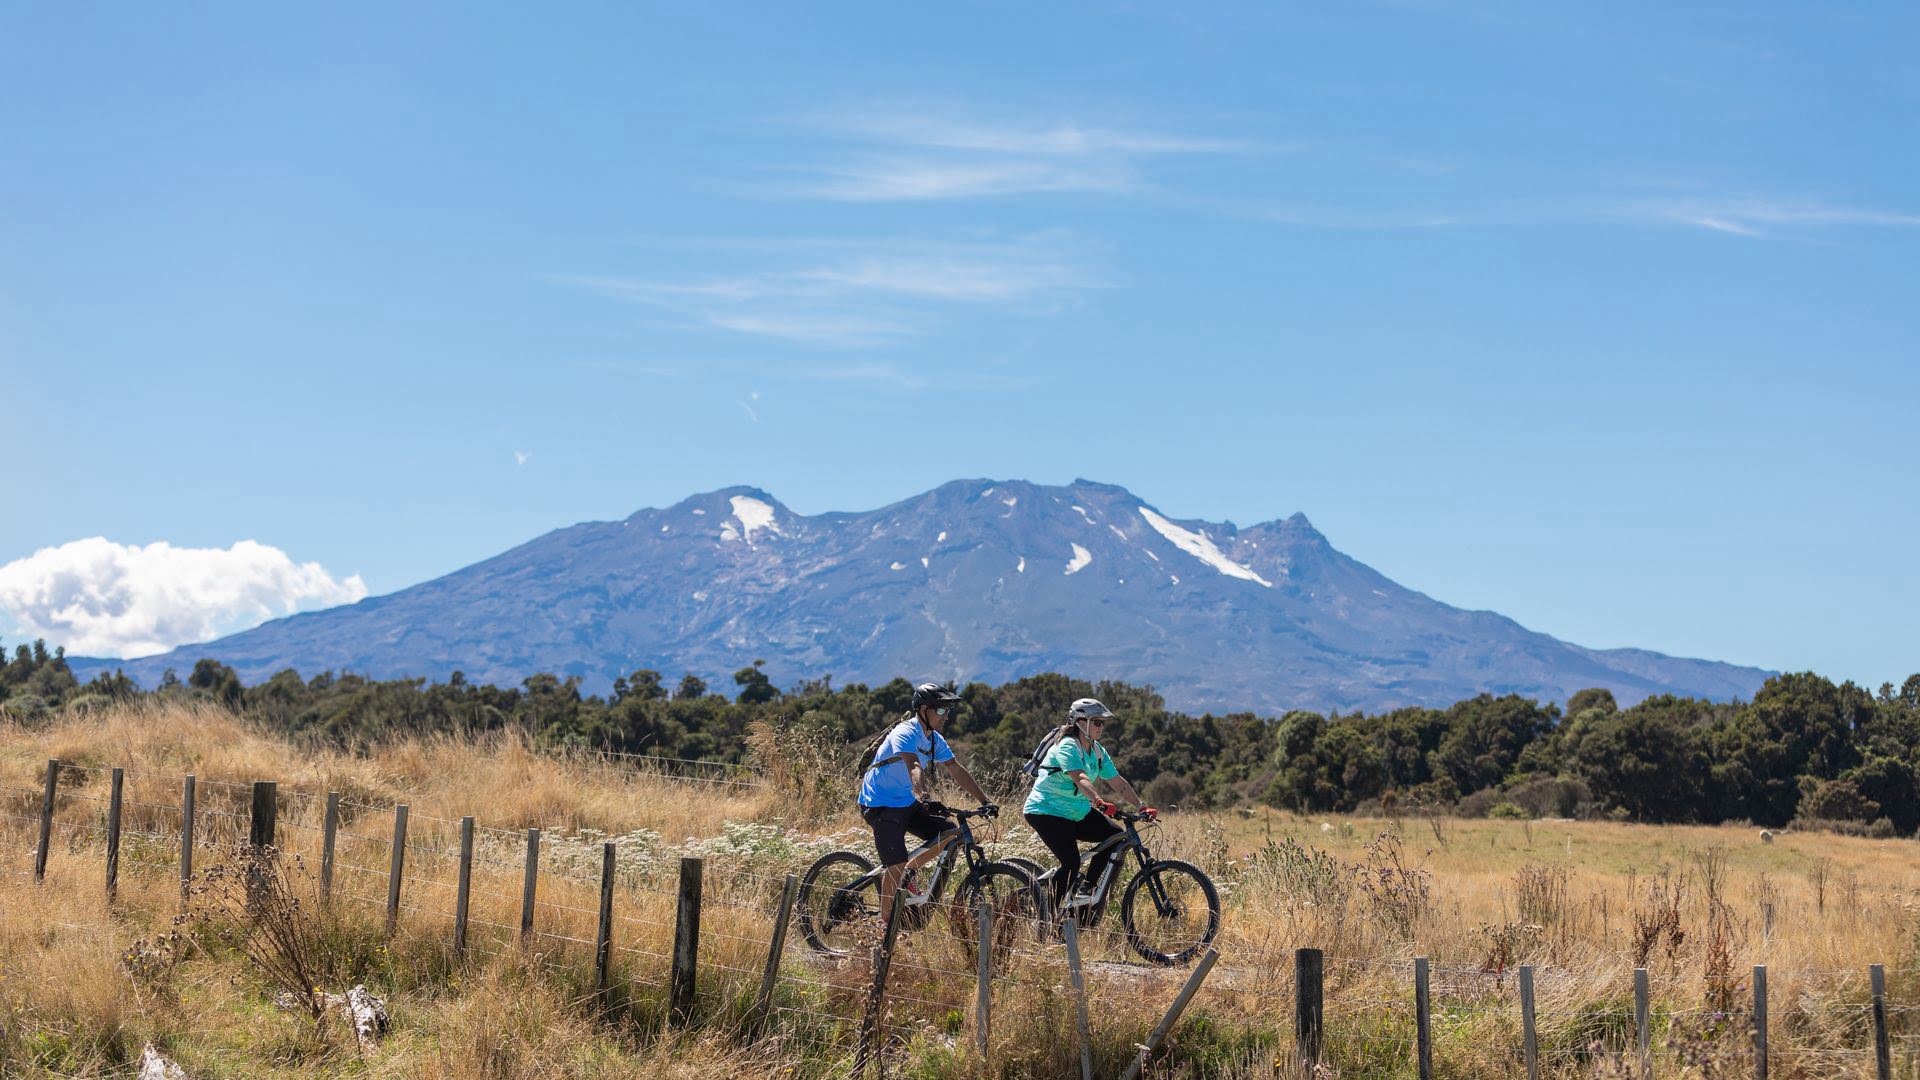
(974, 580)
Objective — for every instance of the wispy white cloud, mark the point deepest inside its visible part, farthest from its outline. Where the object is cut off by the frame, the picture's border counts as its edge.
(1752, 216)
(1707, 221)
(810, 328)
(902, 179)
(753, 414)
(880, 373)
(521, 457)
(854, 296)
(1739, 217)
(918, 155)
(926, 128)
(99, 598)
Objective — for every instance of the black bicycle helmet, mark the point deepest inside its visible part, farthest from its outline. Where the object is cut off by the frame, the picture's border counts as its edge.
(932, 694)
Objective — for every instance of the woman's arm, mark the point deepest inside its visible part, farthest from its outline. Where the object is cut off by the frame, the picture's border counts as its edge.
(1079, 777)
(1120, 785)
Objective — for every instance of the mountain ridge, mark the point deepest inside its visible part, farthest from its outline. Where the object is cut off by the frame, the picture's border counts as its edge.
(974, 580)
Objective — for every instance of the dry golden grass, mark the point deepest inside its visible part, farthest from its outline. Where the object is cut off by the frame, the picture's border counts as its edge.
(1577, 899)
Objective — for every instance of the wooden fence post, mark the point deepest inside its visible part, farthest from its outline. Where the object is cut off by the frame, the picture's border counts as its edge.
(114, 797)
(464, 892)
(46, 821)
(1760, 1022)
(1179, 1005)
(1882, 1052)
(686, 944)
(186, 835)
(1642, 1030)
(1422, 1024)
(983, 981)
(603, 939)
(1530, 1047)
(526, 890)
(329, 839)
(763, 1003)
(1307, 970)
(396, 866)
(1077, 980)
(265, 807)
(876, 997)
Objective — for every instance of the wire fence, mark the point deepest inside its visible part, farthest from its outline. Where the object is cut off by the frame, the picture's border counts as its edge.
(495, 890)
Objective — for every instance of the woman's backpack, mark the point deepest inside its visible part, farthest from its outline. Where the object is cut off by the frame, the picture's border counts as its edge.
(1036, 765)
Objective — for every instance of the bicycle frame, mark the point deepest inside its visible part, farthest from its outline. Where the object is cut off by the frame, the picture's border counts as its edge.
(1095, 901)
(943, 866)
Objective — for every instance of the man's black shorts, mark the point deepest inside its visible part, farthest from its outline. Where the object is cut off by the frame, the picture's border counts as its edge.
(891, 824)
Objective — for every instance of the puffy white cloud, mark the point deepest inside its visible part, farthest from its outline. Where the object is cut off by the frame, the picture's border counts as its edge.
(99, 598)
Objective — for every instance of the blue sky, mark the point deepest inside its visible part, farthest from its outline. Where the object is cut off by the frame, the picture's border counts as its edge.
(1597, 315)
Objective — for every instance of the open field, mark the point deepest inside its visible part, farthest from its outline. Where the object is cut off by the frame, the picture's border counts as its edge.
(85, 982)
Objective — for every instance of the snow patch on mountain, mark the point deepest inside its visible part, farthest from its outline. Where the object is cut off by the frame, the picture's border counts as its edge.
(754, 515)
(898, 566)
(1081, 557)
(1200, 547)
(1021, 566)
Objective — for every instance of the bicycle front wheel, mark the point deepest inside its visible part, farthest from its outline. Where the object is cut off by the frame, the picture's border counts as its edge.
(1171, 912)
(834, 903)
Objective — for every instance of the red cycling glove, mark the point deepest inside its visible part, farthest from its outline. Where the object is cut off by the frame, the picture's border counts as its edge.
(1106, 807)
(1150, 813)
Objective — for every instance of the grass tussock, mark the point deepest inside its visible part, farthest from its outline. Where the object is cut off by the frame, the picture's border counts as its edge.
(86, 982)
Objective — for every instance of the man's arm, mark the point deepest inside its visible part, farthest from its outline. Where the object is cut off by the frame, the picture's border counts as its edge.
(966, 781)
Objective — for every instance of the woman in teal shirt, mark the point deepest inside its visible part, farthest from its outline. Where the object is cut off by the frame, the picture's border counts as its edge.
(1061, 805)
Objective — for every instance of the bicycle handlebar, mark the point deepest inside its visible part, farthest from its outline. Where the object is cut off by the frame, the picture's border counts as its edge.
(948, 811)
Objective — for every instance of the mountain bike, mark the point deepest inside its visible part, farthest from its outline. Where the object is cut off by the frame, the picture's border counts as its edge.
(840, 894)
(1170, 910)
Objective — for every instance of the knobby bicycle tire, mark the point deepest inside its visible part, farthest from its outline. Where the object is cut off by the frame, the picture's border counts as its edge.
(1180, 937)
(824, 905)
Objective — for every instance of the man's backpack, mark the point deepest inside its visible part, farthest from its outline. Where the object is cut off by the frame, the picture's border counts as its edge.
(872, 748)
(1036, 766)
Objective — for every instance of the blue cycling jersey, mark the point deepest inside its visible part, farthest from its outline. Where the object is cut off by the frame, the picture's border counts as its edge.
(892, 784)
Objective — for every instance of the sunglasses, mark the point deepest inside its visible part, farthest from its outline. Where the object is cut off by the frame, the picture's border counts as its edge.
(945, 710)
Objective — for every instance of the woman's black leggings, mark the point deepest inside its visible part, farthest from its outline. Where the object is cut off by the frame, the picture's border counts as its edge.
(1062, 837)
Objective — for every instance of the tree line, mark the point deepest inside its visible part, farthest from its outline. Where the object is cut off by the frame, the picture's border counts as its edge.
(1804, 750)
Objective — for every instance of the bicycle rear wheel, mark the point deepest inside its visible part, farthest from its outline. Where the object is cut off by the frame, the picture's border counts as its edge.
(1009, 892)
(1171, 912)
(1033, 869)
(832, 909)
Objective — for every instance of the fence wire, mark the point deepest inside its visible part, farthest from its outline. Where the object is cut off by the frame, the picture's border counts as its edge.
(931, 969)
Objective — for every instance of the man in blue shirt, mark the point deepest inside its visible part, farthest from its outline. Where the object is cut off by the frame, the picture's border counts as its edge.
(895, 789)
